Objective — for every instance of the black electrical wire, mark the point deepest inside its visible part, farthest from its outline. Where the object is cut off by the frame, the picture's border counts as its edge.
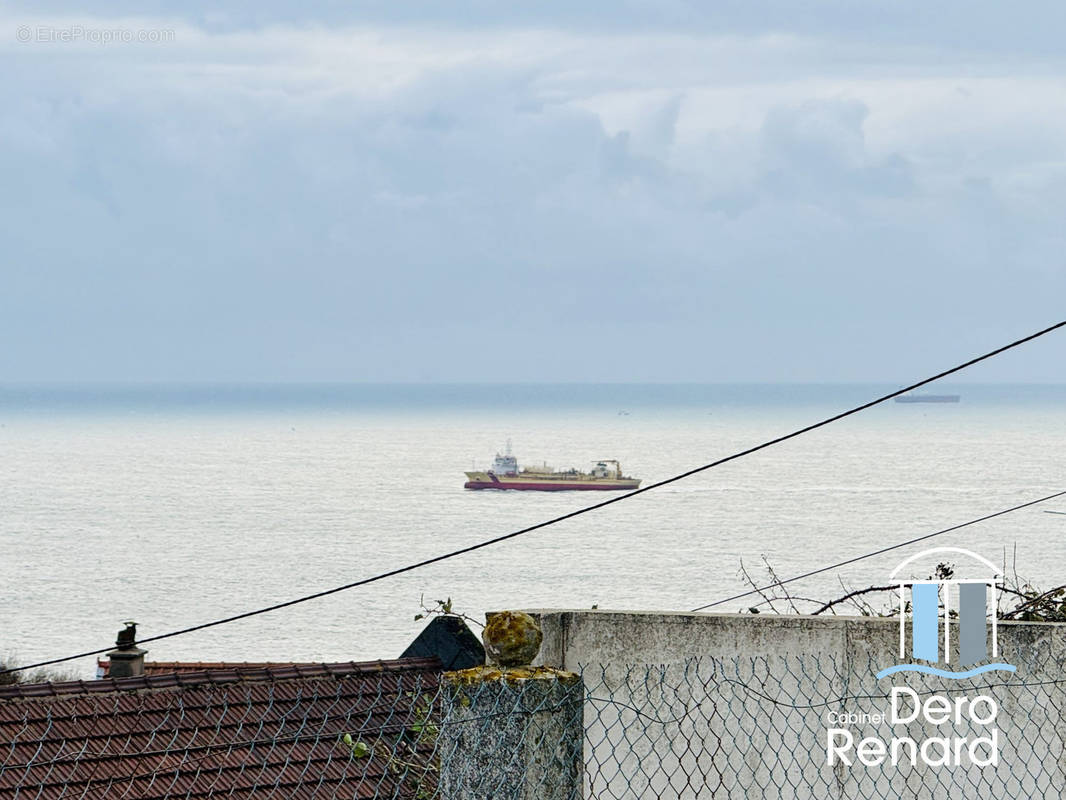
(561, 518)
(890, 547)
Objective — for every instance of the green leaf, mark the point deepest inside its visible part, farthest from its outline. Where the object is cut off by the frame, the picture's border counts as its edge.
(359, 749)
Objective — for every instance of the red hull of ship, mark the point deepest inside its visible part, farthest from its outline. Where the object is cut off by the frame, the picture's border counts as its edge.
(546, 487)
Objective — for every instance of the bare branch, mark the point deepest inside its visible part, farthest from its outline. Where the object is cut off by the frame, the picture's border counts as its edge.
(754, 585)
(851, 595)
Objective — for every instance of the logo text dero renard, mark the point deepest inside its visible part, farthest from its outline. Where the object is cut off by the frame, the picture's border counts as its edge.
(943, 604)
(906, 707)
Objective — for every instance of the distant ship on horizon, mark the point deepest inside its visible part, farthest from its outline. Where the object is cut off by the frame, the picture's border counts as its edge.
(924, 397)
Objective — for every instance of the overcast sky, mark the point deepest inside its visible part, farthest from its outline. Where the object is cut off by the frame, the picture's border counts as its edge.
(465, 191)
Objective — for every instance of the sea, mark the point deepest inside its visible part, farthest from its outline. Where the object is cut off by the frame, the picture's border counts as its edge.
(173, 506)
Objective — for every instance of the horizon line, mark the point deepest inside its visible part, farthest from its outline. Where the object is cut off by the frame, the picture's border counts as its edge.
(212, 382)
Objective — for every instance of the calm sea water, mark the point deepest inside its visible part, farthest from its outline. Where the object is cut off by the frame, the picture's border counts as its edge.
(173, 506)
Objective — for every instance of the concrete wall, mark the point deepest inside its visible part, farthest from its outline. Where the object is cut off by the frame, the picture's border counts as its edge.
(727, 705)
(583, 637)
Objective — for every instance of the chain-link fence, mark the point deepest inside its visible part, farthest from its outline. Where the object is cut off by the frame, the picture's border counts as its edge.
(702, 728)
(818, 727)
(328, 731)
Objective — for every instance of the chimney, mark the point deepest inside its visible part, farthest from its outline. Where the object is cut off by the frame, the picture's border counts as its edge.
(127, 659)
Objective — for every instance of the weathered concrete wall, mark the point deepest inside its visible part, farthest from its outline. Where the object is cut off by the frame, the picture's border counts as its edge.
(750, 717)
(575, 638)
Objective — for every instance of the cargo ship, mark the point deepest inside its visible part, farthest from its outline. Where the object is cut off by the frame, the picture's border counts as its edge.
(505, 474)
(922, 397)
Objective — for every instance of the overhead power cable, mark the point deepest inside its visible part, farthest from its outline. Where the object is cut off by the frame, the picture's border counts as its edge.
(873, 553)
(554, 520)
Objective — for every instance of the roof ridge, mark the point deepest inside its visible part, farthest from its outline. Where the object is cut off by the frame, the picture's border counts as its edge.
(233, 674)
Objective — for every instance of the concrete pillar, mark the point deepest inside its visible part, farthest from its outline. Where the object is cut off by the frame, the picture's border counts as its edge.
(512, 734)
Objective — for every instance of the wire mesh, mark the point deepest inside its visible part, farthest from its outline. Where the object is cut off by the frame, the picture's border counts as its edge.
(700, 728)
(414, 735)
(761, 727)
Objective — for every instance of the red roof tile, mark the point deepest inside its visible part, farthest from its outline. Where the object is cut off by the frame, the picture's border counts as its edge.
(244, 732)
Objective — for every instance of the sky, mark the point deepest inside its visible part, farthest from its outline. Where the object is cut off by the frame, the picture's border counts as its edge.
(487, 191)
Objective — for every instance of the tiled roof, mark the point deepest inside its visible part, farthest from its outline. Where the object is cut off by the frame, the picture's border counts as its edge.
(163, 667)
(237, 732)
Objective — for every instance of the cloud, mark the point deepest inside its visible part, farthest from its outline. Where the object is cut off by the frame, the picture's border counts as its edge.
(819, 150)
(291, 201)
